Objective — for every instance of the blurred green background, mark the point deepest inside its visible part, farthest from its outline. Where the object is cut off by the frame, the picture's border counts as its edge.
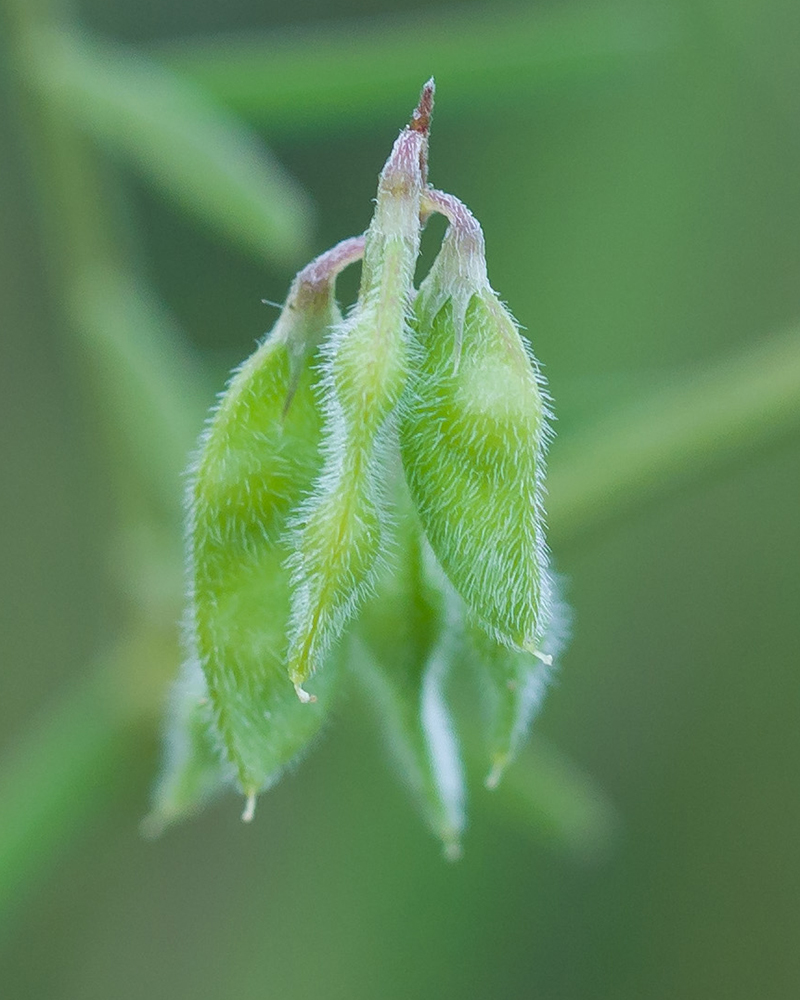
(636, 169)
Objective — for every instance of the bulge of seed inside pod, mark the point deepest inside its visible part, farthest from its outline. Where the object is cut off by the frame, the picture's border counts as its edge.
(473, 438)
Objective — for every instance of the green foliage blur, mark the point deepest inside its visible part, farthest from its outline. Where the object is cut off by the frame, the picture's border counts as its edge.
(636, 169)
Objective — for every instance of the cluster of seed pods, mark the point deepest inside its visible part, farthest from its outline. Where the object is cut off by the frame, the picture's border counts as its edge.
(366, 502)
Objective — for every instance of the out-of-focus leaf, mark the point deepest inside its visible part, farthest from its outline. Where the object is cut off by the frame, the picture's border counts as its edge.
(177, 137)
(333, 76)
(548, 792)
(764, 37)
(72, 760)
(52, 783)
(62, 769)
(150, 384)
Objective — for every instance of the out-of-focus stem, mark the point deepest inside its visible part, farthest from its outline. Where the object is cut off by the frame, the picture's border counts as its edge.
(691, 427)
(70, 763)
(352, 74)
(71, 760)
(57, 778)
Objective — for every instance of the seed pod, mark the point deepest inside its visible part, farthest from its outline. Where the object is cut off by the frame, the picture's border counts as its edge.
(194, 769)
(257, 459)
(338, 533)
(407, 638)
(513, 684)
(473, 431)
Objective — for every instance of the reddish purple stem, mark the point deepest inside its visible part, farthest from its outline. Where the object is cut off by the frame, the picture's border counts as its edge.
(464, 223)
(316, 276)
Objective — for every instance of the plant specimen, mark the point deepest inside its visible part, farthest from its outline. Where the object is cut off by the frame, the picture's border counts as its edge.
(367, 498)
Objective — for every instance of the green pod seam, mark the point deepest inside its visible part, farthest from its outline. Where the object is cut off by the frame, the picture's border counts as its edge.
(473, 431)
(257, 459)
(338, 533)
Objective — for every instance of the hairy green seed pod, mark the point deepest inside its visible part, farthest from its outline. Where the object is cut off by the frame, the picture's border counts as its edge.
(407, 640)
(338, 534)
(194, 769)
(473, 433)
(258, 457)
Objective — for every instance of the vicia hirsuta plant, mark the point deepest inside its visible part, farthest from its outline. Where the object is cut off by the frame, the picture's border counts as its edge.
(367, 498)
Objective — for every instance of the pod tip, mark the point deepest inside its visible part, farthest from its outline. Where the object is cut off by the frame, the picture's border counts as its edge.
(249, 808)
(453, 851)
(421, 118)
(546, 658)
(499, 765)
(304, 696)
